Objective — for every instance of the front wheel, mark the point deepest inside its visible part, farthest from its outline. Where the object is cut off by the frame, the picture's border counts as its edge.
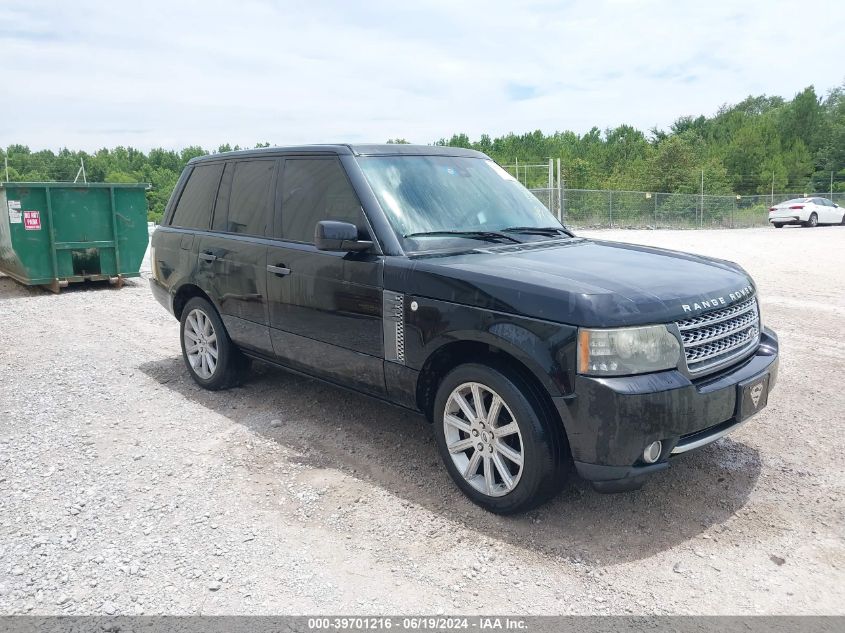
(813, 221)
(210, 356)
(502, 448)
(777, 225)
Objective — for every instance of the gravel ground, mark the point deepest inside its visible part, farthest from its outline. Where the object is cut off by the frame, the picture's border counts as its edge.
(124, 488)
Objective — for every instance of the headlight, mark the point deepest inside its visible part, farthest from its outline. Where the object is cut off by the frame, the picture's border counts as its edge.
(630, 350)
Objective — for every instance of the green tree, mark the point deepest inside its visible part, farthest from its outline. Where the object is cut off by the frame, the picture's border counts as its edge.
(119, 176)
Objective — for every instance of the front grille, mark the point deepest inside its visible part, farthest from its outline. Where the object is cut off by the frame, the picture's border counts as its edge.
(715, 339)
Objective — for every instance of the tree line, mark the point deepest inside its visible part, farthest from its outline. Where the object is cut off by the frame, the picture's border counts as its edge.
(746, 148)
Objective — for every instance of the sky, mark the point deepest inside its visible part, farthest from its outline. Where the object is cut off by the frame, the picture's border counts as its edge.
(154, 73)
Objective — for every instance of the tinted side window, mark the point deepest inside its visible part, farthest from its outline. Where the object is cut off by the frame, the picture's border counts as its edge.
(315, 189)
(221, 207)
(194, 208)
(249, 202)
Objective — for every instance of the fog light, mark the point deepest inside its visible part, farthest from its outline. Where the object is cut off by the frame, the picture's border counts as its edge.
(652, 452)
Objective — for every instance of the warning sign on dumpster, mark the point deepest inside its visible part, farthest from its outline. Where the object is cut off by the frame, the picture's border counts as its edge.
(15, 216)
(32, 220)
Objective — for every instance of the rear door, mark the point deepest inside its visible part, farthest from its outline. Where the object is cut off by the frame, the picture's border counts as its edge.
(816, 207)
(173, 252)
(325, 308)
(233, 255)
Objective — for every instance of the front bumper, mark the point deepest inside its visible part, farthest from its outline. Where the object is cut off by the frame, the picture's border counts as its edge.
(609, 421)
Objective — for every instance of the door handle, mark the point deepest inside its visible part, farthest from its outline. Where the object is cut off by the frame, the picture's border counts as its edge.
(280, 271)
(208, 257)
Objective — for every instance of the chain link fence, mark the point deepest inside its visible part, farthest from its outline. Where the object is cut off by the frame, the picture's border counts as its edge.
(587, 208)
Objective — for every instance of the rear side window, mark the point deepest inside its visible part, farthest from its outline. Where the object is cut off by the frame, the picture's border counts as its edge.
(249, 200)
(221, 207)
(194, 208)
(315, 189)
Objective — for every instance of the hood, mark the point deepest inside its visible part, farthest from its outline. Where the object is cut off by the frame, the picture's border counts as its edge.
(579, 282)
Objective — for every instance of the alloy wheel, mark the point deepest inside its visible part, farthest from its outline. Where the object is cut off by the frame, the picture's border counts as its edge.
(201, 344)
(483, 439)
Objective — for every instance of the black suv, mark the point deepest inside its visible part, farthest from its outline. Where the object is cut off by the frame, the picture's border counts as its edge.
(430, 278)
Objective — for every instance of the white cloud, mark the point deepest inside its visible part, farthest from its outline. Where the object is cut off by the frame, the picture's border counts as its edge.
(89, 74)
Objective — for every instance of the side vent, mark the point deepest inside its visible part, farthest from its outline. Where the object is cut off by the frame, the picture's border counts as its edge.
(394, 326)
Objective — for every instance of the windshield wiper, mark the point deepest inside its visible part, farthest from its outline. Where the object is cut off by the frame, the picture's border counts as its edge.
(538, 230)
(473, 235)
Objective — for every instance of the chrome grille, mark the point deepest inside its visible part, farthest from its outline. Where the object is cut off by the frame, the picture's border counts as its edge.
(717, 338)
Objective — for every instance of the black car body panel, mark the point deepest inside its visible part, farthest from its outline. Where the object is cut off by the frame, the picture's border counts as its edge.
(575, 281)
(328, 307)
(547, 349)
(375, 321)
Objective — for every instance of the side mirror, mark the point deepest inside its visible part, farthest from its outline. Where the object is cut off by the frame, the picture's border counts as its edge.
(338, 236)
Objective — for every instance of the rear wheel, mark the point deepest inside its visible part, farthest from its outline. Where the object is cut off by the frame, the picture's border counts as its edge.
(210, 356)
(813, 221)
(499, 444)
(777, 225)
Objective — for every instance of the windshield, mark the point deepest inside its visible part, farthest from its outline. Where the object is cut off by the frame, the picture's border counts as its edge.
(437, 194)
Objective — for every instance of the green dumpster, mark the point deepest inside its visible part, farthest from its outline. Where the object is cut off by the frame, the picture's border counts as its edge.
(55, 233)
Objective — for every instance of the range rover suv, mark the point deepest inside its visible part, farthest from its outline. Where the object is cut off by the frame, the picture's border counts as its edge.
(430, 278)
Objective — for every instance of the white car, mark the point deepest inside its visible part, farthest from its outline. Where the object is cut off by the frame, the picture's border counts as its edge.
(806, 212)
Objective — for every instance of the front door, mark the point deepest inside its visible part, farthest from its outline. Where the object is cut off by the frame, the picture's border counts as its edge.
(831, 213)
(325, 308)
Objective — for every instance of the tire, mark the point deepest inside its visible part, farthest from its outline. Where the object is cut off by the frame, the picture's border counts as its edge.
(813, 221)
(843, 220)
(534, 437)
(777, 226)
(201, 326)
